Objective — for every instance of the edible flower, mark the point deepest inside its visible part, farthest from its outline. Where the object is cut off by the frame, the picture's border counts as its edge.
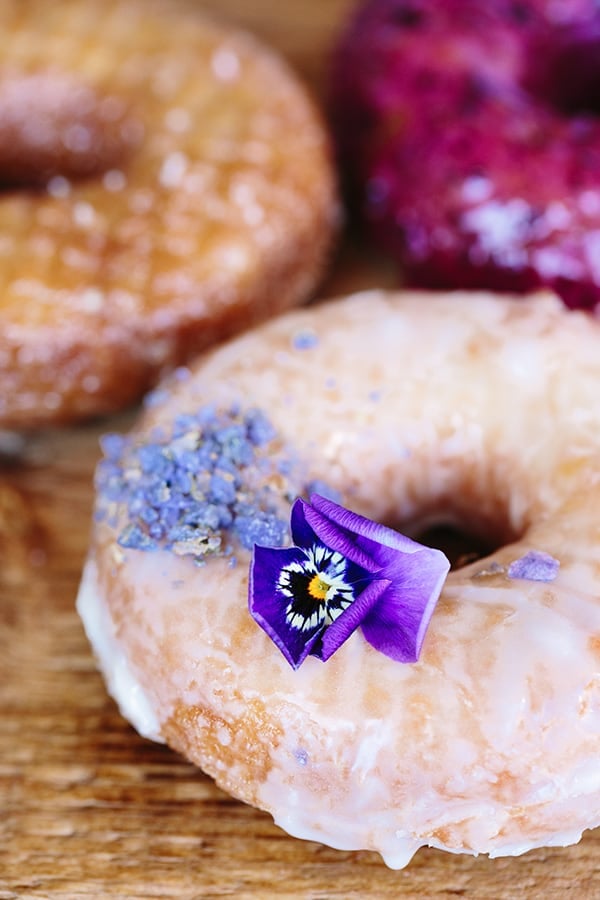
(344, 571)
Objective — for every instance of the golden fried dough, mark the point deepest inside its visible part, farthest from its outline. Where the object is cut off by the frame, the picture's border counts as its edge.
(166, 183)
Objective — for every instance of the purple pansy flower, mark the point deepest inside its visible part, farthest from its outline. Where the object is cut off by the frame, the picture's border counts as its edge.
(344, 571)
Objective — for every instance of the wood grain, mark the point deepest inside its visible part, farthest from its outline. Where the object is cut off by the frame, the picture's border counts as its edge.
(90, 809)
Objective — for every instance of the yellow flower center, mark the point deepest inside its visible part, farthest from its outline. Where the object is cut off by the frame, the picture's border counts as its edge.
(318, 588)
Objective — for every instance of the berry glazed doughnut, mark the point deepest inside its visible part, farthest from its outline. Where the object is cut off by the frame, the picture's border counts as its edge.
(471, 138)
(166, 182)
(489, 743)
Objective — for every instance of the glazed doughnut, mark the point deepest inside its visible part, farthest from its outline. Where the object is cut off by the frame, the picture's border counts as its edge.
(166, 182)
(471, 137)
(415, 410)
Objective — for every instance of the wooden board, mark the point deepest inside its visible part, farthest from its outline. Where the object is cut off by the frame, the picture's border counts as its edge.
(90, 809)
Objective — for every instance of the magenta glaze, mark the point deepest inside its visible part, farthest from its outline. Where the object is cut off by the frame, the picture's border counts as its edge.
(470, 134)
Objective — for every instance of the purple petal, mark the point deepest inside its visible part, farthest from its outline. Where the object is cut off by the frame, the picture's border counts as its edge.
(364, 527)
(268, 607)
(302, 534)
(339, 539)
(397, 624)
(340, 630)
(534, 566)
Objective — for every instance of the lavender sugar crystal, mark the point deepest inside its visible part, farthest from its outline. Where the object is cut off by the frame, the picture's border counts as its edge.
(187, 490)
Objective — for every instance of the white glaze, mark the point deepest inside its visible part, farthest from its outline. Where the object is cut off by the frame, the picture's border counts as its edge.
(476, 408)
(121, 684)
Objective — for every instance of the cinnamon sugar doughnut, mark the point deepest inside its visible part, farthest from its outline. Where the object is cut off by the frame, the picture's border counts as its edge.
(166, 182)
(481, 411)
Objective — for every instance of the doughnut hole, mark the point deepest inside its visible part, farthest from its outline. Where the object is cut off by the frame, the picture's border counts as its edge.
(462, 534)
(51, 124)
(565, 70)
(476, 512)
(460, 545)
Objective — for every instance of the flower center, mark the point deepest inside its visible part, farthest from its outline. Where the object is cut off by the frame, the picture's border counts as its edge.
(318, 587)
(315, 589)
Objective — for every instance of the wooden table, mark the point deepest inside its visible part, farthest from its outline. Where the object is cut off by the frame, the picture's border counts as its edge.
(88, 808)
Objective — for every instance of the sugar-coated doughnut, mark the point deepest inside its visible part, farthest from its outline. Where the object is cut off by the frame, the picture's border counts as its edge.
(470, 131)
(166, 182)
(481, 411)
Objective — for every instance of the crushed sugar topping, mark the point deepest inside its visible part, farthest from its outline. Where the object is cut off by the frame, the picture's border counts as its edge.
(213, 478)
(305, 340)
(534, 566)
